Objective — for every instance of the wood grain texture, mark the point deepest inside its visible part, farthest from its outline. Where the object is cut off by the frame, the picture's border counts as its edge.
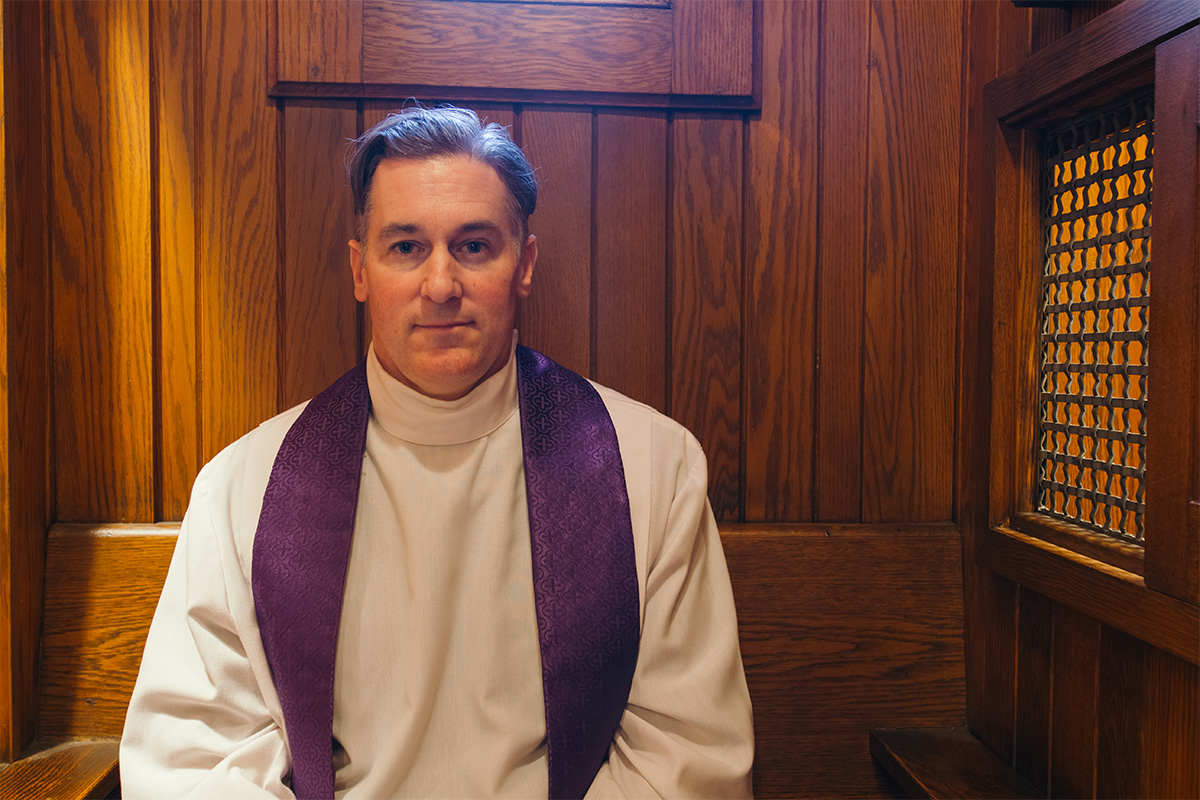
(1172, 552)
(320, 314)
(630, 255)
(69, 770)
(993, 717)
(556, 318)
(1172, 769)
(845, 40)
(946, 762)
(175, 32)
(102, 585)
(911, 250)
(1111, 595)
(319, 40)
(1073, 717)
(713, 43)
(1035, 660)
(830, 656)
(25, 432)
(1120, 714)
(238, 263)
(517, 46)
(1086, 59)
(100, 230)
(706, 301)
(781, 256)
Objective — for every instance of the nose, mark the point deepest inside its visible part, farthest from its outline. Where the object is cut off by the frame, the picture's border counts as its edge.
(441, 282)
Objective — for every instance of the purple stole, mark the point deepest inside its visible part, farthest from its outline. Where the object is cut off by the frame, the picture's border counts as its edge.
(584, 572)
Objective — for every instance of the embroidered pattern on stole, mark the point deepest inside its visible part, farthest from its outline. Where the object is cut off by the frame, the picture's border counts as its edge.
(584, 569)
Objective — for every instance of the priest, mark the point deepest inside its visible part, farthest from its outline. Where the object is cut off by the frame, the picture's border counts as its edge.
(460, 571)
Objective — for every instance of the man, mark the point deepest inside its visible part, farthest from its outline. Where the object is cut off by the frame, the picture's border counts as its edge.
(516, 572)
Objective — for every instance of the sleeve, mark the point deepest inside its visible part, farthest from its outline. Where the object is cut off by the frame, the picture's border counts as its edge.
(201, 723)
(687, 730)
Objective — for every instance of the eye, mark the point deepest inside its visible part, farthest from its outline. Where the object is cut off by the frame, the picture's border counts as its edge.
(474, 248)
(405, 248)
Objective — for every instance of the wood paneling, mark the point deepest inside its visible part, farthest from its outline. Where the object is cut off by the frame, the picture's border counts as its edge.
(318, 312)
(1117, 49)
(76, 769)
(1073, 717)
(711, 47)
(318, 40)
(100, 229)
(911, 247)
(238, 217)
(830, 656)
(25, 434)
(629, 296)
(411, 42)
(102, 585)
(1172, 732)
(781, 254)
(706, 302)
(175, 34)
(1173, 555)
(1120, 714)
(842, 215)
(556, 319)
(1035, 659)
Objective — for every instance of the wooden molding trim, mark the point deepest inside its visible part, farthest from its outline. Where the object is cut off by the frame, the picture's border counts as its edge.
(1106, 593)
(1109, 549)
(1112, 54)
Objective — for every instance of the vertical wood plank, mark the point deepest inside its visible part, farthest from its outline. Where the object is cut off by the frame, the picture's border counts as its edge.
(319, 40)
(781, 257)
(996, 662)
(238, 266)
(100, 129)
(630, 256)
(1172, 552)
(175, 31)
(556, 318)
(845, 31)
(25, 431)
(1121, 714)
(1034, 666)
(320, 315)
(711, 53)
(1073, 725)
(911, 281)
(706, 300)
(1172, 769)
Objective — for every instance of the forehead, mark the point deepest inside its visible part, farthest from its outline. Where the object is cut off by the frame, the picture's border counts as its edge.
(433, 192)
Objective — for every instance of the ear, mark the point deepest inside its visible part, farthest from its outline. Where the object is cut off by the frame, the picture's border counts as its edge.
(525, 269)
(356, 269)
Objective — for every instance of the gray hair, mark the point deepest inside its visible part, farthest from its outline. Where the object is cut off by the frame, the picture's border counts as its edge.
(420, 133)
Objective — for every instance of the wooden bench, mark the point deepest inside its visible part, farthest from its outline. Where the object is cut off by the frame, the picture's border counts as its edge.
(843, 629)
(936, 763)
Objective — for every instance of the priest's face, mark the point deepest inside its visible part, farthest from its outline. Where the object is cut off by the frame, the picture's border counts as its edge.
(441, 271)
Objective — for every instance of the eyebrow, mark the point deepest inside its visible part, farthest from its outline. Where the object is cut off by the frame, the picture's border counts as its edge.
(408, 228)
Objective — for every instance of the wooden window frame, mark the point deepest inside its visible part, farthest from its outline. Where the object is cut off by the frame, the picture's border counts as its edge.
(1153, 591)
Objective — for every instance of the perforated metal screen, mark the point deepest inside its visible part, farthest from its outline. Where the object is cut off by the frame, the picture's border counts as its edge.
(1095, 296)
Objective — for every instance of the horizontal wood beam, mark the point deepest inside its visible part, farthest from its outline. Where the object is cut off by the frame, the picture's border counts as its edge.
(1120, 41)
(946, 762)
(1101, 591)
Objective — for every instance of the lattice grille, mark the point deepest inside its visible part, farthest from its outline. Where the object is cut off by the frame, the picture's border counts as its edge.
(1095, 308)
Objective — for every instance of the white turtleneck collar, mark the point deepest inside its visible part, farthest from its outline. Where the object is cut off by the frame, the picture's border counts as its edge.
(409, 415)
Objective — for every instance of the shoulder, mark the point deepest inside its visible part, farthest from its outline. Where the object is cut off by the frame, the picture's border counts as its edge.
(650, 440)
(229, 490)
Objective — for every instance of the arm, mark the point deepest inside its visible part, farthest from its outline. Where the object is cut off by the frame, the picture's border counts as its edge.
(687, 731)
(201, 722)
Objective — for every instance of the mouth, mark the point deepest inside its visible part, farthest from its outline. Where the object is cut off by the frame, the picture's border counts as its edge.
(442, 325)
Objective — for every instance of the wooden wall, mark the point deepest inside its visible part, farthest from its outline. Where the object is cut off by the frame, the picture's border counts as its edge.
(797, 285)
(1081, 699)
